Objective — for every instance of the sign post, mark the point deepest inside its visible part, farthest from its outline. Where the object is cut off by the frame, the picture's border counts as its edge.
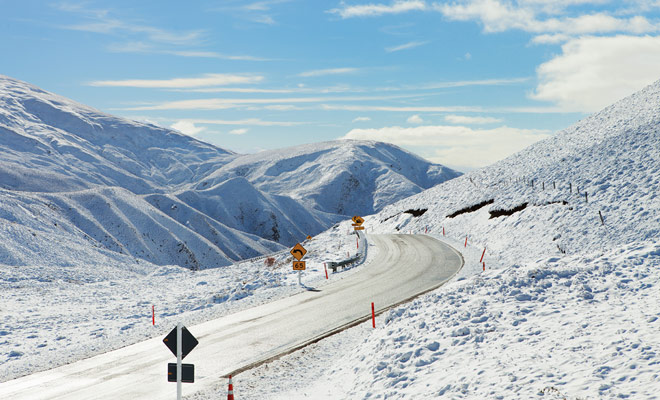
(298, 252)
(180, 342)
(357, 223)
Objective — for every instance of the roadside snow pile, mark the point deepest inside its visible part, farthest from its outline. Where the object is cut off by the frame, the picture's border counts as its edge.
(575, 327)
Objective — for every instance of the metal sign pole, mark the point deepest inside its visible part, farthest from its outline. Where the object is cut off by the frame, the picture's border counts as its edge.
(179, 337)
(299, 278)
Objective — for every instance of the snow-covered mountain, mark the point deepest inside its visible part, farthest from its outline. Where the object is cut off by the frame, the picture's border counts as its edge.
(347, 177)
(164, 197)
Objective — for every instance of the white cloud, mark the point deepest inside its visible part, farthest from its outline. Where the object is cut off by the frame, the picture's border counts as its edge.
(362, 119)
(151, 48)
(100, 21)
(329, 71)
(405, 46)
(550, 38)
(248, 122)
(476, 82)
(462, 119)
(225, 103)
(457, 146)
(593, 72)
(407, 109)
(205, 80)
(241, 131)
(374, 10)
(187, 127)
(497, 16)
(415, 119)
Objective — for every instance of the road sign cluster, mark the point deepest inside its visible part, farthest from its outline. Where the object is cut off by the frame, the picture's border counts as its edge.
(298, 252)
(357, 223)
(180, 342)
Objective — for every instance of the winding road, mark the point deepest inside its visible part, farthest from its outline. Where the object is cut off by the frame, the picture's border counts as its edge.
(404, 267)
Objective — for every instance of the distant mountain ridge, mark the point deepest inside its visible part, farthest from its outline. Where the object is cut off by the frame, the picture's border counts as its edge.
(164, 197)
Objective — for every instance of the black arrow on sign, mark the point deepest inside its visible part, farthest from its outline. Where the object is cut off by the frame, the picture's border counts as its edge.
(297, 251)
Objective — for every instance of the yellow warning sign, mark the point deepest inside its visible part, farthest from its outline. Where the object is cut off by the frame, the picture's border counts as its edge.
(359, 228)
(309, 237)
(298, 252)
(358, 220)
(298, 265)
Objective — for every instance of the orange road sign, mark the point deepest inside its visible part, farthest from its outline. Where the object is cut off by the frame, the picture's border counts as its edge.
(309, 237)
(359, 228)
(298, 265)
(298, 252)
(358, 220)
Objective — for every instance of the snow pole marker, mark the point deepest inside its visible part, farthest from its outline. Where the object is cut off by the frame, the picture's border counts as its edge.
(373, 315)
(465, 241)
(153, 315)
(443, 231)
(426, 229)
(484, 264)
(230, 392)
(482, 255)
(326, 270)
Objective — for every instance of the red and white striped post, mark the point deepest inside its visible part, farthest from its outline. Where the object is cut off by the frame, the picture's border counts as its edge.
(230, 392)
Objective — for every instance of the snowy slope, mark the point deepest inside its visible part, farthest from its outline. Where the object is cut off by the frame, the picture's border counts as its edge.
(51, 144)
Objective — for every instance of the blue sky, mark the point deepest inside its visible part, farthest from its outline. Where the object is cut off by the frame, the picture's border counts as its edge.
(463, 83)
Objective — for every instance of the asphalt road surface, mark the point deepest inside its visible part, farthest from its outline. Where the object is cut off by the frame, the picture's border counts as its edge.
(404, 267)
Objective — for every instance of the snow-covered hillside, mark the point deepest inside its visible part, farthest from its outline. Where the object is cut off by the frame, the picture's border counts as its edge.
(166, 198)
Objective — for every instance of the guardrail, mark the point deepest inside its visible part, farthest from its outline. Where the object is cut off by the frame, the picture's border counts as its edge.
(262, 257)
(358, 258)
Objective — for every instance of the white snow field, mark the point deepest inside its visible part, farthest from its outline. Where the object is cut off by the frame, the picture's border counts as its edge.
(567, 308)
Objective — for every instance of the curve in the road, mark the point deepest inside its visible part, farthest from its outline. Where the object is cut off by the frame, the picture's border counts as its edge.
(404, 267)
